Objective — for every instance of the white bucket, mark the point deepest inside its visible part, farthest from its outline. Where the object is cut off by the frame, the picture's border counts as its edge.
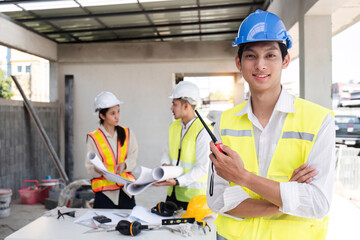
(5, 200)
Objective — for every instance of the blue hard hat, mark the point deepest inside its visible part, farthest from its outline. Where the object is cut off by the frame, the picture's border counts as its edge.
(262, 26)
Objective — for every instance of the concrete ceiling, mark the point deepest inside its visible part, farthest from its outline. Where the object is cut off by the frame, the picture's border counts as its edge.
(85, 21)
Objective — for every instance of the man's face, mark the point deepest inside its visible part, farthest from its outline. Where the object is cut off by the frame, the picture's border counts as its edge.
(261, 65)
(177, 108)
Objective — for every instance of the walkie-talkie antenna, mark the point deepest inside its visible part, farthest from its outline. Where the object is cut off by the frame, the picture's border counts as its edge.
(206, 127)
(213, 138)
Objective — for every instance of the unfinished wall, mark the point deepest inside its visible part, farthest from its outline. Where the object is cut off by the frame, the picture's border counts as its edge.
(23, 155)
(142, 76)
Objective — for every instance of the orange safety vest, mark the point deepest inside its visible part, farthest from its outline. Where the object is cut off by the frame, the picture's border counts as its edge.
(106, 152)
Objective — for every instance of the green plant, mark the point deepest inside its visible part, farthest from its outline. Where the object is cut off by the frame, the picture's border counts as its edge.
(5, 85)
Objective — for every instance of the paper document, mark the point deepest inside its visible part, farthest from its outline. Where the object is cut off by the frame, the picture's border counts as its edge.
(145, 216)
(146, 178)
(108, 175)
(87, 218)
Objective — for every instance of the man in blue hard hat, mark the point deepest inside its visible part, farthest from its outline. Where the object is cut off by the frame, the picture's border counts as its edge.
(275, 180)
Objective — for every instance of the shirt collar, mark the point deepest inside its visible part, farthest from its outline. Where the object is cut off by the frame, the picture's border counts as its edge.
(285, 104)
(188, 124)
(102, 128)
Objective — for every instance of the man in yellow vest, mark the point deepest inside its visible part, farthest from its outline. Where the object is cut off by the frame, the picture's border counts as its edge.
(276, 179)
(188, 147)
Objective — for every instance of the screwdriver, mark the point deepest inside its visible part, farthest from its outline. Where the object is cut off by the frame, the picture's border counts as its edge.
(213, 138)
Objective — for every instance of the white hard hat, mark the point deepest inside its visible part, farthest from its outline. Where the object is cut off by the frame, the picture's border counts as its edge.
(187, 91)
(105, 100)
(214, 115)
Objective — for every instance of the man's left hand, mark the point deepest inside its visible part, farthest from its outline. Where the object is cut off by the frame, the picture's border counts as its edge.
(230, 167)
(167, 182)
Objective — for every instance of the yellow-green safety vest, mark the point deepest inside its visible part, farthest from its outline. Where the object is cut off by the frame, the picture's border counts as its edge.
(297, 138)
(107, 155)
(187, 149)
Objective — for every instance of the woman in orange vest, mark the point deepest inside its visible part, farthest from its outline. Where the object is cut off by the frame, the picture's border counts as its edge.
(116, 146)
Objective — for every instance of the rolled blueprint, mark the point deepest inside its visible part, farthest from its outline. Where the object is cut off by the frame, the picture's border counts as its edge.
(146, 177)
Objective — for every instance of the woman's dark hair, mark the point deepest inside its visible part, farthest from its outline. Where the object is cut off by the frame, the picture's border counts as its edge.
(282, 46)
(120, 131)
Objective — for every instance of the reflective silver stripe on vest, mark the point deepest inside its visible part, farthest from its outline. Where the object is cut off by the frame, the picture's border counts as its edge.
(299, 135)
(236, 133)
(197, 185)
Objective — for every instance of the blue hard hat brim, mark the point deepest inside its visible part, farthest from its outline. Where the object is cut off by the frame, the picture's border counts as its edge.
(234, 44)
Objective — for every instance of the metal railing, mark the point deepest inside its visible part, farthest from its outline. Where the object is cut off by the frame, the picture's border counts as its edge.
(348, 170)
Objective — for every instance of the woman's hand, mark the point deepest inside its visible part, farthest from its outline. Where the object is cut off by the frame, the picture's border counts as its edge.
(120, 168)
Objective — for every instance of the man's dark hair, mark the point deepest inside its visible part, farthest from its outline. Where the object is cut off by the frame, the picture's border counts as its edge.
(282, 46)
(183, 101)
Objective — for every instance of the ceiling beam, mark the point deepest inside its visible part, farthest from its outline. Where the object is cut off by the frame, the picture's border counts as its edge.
(169, 10)
(156, 37)
(239, 20)
(25, 1)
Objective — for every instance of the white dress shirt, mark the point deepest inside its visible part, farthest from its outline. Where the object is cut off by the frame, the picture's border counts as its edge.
(202, 153)
(299, 199)
(130, 159)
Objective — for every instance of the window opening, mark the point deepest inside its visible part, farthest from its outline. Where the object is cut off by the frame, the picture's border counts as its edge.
(217, 95)
(32, 72)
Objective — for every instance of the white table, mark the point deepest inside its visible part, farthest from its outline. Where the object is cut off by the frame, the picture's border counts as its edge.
(56, 229)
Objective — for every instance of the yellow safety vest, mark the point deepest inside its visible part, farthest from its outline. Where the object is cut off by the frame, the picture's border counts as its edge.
(187, 149)
(102, 184)
(296, 141)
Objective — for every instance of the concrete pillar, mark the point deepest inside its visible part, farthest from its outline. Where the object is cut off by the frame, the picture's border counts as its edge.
(315, 59)
(53, 84)
(69, 125)
(238, 89)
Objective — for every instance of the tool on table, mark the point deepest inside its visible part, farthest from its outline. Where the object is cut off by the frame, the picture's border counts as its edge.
(130, 228)
(101, 228)
(202, 224)
(165, 209)
(71, 214)
(176, 221)
(213, 138)
(173, 230)
(134, 228)
(123, 215)
(102, 219)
